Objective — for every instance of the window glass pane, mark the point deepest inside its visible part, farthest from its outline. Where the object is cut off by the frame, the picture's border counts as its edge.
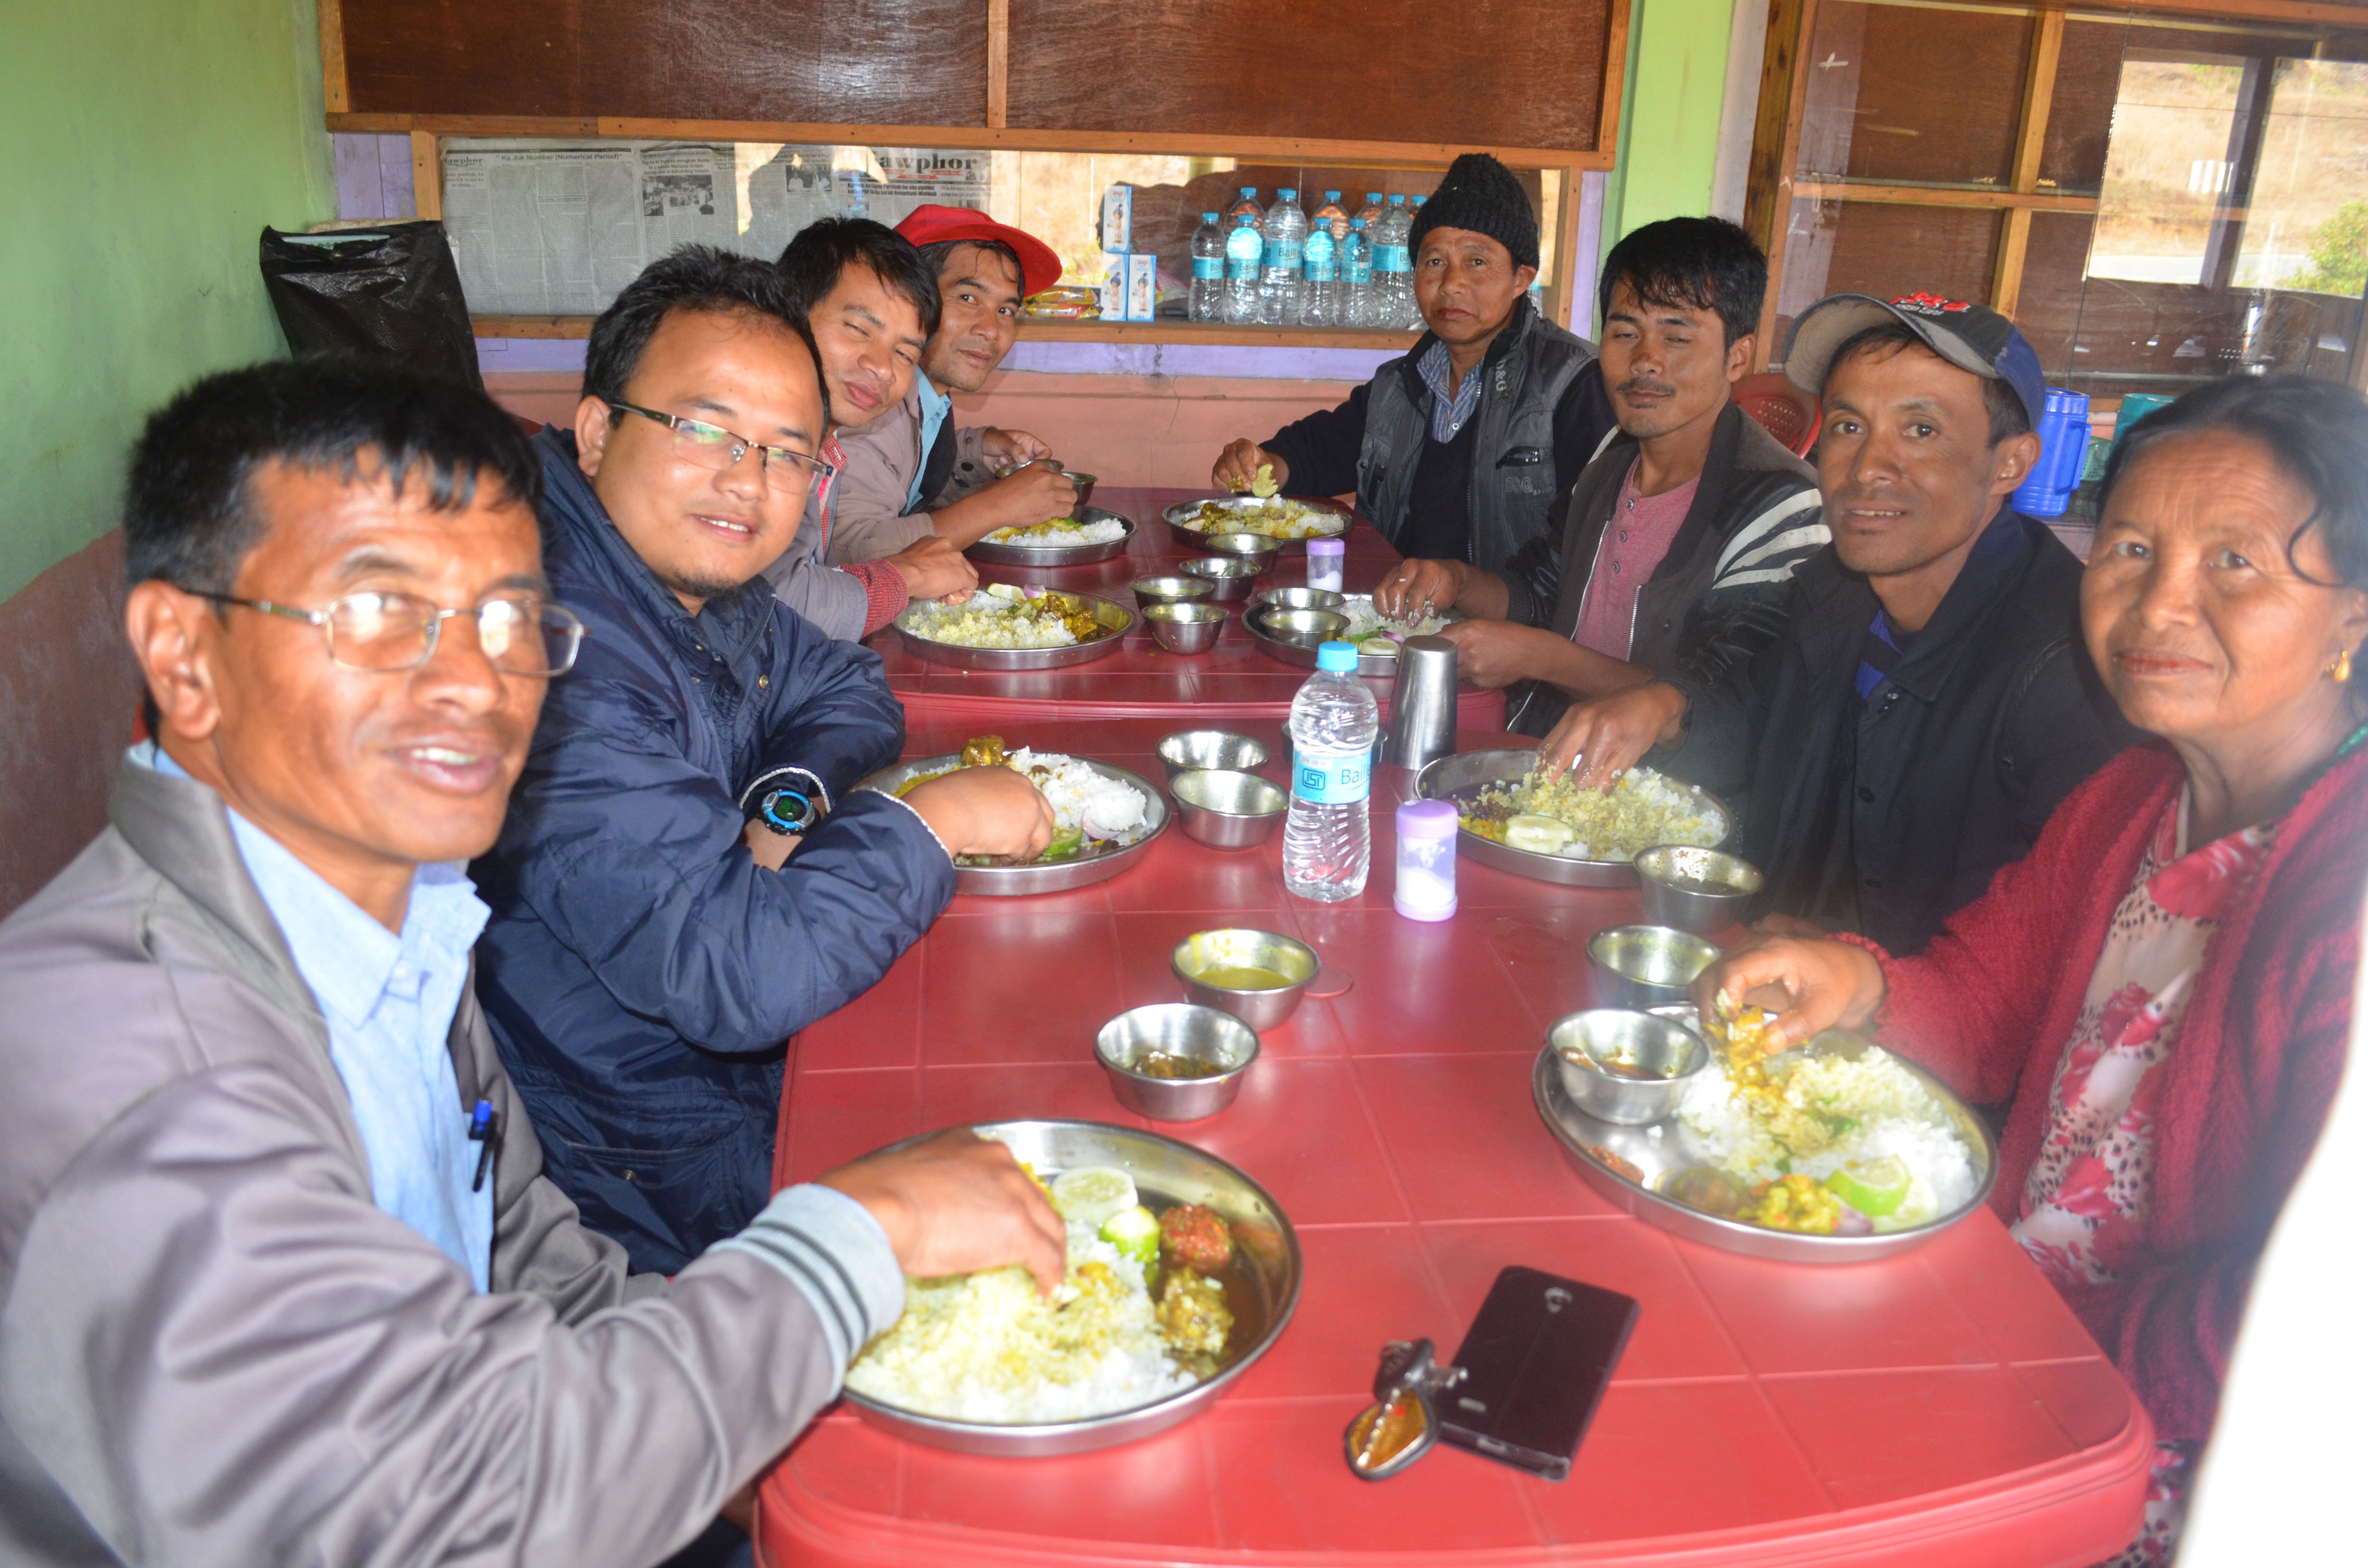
(1864, 248)
(2080, 113)
(1913, 93)
(2166, 167)
(2307, 223)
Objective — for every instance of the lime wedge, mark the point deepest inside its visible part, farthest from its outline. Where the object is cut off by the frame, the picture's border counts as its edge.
(1262, 483)
(1135, 1232)
(1537, 833)
(1874, 1187)
(1091, 1194)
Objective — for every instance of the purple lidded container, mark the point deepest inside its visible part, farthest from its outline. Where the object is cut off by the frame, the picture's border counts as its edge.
(1425, 880)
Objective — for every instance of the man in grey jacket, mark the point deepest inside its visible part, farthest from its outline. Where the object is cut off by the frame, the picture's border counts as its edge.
(283, 1281)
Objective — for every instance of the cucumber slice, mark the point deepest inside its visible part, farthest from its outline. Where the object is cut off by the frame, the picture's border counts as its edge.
(1091, 1194)
(1538, 834)
(1874, 1187)
(1135, 1232)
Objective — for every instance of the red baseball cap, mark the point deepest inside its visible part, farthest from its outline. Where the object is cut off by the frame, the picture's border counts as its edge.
(933, 224)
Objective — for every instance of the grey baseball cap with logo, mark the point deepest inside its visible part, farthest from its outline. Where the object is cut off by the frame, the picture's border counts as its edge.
(1972, 337)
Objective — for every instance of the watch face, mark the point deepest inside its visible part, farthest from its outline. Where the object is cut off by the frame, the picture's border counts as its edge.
(787, 811)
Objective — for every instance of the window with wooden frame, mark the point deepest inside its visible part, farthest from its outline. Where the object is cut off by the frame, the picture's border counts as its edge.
(2157, 196)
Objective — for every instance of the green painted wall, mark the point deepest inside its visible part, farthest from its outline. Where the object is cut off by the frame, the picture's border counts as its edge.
(1668, 121)
(148, 143)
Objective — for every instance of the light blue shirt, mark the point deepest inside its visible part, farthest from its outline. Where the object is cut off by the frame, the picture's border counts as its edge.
(935, 408)
(389, 1000)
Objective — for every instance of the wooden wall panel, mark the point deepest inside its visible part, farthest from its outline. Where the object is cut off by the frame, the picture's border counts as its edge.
(860, 61)
(1493, 73)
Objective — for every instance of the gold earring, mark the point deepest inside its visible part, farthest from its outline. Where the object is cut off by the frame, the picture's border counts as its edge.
(2340, 670)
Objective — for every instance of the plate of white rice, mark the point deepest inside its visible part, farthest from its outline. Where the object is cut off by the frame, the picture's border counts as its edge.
(1090, 535)
(1841, 1103)
(1607, 829)
(1004, 626)
(979, 1363)
(1113, 813)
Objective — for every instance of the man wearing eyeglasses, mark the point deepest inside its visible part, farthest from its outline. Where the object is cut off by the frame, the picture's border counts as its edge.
(654, 941)
(284, 1280)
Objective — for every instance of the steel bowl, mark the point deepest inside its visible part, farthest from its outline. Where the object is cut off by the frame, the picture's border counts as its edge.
(1243, 546)
(1232, 575)
(1695, 889)
(1375, 656)
(1228, 809)
(1115, 619)
(1184, 628)
(1648, 966)
(1301, 628)
(1299, 599)
(1057, 555)
(1182, 518)
(1209, 952)
(1084, 483)
(1149, 591)
(1060, 876)
(1262, 1286)
(1660, 1153)
(1459, 778)
(1189, 749)
(1179, 1029)
(1590, 1047)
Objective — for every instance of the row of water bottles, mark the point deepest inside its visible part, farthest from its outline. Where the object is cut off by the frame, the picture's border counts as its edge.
(1270, 267)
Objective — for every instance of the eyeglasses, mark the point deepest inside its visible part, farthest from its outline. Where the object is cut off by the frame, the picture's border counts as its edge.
(712, 446)
(385, 632)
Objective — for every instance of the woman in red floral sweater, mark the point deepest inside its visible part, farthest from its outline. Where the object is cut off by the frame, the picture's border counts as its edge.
(2162, 988)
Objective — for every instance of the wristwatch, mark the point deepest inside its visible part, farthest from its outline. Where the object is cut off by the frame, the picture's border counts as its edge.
(788, 801)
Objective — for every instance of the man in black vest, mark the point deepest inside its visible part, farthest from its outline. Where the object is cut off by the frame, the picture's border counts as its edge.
(1931, 699)
(1460, 449)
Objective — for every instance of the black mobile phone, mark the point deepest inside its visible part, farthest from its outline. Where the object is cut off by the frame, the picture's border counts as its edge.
(1535, 1365)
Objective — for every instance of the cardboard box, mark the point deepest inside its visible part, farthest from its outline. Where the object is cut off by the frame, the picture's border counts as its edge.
(1118, 219)
(1141, 286)
(1113, 286)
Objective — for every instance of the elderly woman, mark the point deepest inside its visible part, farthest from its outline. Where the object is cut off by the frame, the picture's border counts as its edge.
(2162, 987)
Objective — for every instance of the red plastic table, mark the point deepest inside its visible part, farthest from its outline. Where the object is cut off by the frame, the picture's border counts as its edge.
(1232, 681)
(1942, 1407)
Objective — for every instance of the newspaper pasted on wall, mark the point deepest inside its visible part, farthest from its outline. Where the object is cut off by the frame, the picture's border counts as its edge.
(557, 227)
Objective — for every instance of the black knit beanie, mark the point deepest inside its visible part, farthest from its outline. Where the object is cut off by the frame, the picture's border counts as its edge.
(1481, 194)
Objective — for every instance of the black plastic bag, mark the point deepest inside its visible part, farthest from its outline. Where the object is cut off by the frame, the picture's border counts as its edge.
(389, 292)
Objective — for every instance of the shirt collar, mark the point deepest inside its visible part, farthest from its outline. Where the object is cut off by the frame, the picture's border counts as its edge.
(344, 955)
(934, 403)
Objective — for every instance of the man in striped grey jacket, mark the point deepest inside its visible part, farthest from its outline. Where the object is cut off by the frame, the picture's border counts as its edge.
(1673, 551)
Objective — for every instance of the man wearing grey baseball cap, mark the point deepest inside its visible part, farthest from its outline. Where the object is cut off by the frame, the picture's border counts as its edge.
(1930, 699)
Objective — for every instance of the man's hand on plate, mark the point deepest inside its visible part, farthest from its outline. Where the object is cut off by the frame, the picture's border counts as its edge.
(935, 568)
(1609, 735)
(985, 810)
(1417, 588)
(957, 1203)
(1238, 464)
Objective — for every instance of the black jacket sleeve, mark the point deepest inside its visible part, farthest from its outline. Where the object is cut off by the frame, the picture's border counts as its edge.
(1582, 419)
(1533, 577)
(1322, 448)
(2061, 727)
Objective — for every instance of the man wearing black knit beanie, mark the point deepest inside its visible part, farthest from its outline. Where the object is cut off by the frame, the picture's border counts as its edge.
(1460, 449)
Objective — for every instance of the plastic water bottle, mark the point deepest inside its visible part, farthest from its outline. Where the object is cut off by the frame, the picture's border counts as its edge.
(1327, 840)
(1286, 243)
(1249, 204)
(1392, 268)
(1208, 298)
(1329, 216)
(1356, 267)
(1320, 293)
(1243, 249)
(1373, 210)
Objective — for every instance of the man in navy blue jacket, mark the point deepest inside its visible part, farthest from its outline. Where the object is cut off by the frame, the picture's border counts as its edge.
(685, 880)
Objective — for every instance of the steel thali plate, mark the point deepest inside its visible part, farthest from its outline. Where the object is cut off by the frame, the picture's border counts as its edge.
(1662, 1148)
(1180, 516)
(1052, 556)
(1060, 876)
(1262, 1285)
(1302, 652)
(1453, 777)
(1115, 618)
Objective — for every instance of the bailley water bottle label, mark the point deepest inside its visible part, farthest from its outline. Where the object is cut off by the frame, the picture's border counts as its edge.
(1392, 258)
(1337, 778)
(1284, 255)
(1242, 265)
(1208, 266)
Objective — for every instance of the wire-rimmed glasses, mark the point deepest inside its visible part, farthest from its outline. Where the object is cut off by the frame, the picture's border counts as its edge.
(383, 633)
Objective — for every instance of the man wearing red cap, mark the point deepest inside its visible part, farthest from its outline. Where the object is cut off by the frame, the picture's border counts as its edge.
(909, 474)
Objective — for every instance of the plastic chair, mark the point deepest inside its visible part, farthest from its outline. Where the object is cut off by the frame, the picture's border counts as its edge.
(1783, 410)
